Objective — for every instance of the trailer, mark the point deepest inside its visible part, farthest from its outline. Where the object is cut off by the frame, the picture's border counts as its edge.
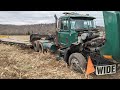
(15, 42)
(12, 41)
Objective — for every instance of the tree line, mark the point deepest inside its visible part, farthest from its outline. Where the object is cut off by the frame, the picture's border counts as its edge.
(27, 29)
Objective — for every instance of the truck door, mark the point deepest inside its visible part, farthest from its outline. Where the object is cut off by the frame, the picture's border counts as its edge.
(64, 33)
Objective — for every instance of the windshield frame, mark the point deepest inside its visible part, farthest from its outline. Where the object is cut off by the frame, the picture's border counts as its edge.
(93, 26)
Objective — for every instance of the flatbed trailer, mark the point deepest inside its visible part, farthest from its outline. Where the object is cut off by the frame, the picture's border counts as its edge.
(16, 42)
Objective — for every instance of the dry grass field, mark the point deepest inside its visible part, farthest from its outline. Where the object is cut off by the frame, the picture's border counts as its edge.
(19, 63)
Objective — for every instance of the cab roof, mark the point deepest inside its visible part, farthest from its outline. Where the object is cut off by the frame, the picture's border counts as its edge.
(76, 15)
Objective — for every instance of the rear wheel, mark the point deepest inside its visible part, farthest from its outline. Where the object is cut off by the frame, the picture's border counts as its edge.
(77, 62)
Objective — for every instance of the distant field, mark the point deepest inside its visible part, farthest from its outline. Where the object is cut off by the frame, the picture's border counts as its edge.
(16, 37)
(4, 36)
(20, 37)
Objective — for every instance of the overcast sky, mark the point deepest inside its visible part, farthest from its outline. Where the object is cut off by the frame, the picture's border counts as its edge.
(37, 17)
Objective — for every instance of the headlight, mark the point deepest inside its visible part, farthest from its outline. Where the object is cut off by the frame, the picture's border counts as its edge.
(84, 36)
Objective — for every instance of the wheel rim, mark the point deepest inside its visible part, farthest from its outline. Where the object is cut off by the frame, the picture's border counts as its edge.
(75, 64)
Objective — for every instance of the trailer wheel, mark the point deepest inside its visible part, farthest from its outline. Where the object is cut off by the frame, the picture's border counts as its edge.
(77, 62)
(36, 46)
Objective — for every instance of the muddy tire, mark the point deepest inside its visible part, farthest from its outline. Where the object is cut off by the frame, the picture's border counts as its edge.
(36, 46)
(77, 62)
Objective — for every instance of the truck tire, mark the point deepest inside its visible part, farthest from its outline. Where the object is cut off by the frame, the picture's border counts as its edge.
(77, 62)
(36, 46)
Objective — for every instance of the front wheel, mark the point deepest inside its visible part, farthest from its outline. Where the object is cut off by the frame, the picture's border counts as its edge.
(77, 62)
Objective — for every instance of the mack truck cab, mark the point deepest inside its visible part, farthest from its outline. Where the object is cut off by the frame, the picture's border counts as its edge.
(77, 37)
(71, 26)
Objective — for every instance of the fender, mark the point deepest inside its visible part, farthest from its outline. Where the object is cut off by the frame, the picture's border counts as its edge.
(75, 47)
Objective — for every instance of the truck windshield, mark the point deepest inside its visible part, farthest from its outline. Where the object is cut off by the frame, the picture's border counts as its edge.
(82, 24)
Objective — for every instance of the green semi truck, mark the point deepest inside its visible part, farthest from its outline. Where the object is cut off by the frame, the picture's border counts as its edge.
(77, 40)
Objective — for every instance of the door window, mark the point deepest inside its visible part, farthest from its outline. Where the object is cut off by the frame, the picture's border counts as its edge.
(64, 25)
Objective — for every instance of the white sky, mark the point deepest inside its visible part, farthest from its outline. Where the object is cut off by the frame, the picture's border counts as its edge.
(37, 17)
